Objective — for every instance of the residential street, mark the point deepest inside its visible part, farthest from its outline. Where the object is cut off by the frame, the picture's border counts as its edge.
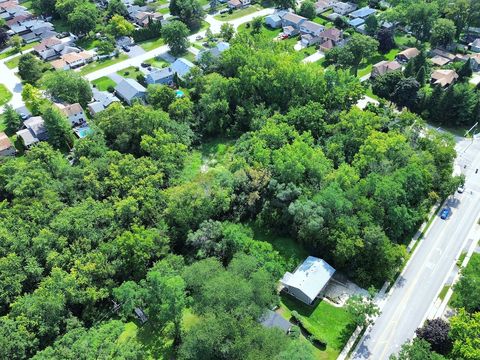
(418, 286)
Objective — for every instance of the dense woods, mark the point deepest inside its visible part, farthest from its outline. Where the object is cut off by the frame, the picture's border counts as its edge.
(128, 222)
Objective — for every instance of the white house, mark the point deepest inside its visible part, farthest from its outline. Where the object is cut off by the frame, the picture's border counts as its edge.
(74, 113)
(308, 280)
(343, 8)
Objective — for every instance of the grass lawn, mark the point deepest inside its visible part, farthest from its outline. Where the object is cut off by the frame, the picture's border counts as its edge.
(13, 52)
(321, 21)
(151, 44)
(366, 66)
(103, 83)
(97, 65)
(238, 13)
(369, 93)
(130, 72)
(13, 62)
(5, 95)
(265, 31)
(88, 43)
(157, 62)
(164, 10)
(325, 321)
(189, 56)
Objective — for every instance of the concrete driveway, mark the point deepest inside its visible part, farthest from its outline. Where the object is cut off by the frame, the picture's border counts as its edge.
(314, 57)
(135, 51)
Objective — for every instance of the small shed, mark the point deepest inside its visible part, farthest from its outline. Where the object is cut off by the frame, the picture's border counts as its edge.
(141, 315)
(308, 280)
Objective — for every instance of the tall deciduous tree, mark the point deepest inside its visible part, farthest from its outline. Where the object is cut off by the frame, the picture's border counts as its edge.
(443, 32)
(68, 86)
(189, 12)
(83, 18)
(175, 34)
(11, 119)
(435, 332)
(59, 131)
(30, 68)
(465, 333)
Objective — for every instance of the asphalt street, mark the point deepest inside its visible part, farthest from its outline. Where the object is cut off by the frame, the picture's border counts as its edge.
(417, 288)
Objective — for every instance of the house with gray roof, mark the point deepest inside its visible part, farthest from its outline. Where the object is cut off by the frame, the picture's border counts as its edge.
(34, 131)
(293, 20)
(181, 67)
(362, 13)
(274, 21)
(102, 100)
(129, 89)
(308, 280)
(216, 51)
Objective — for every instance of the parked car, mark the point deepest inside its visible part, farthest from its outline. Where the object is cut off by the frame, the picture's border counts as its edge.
(224, 11)
(199, 37)
(145, 65)
(126, 48)
(461, 188)
(445, 213)
(24, 116)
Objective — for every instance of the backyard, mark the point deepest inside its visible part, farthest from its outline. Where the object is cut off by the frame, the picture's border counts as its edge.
(325, 321)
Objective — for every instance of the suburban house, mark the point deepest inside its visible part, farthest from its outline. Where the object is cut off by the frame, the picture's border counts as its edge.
(238, 4)
(407, 54)
(274, 21)
(475, 62)
(32, 30)
(383, 67)
(6, 146)
(308, 280)
(273, 320)
(165, 76)
(129, 90)
(33, 132)
(356, 22)
(443, 78)
(475, 45)
(293, 20)
(53, 48)
(142, 18)
(310, 33)
(362, 13)
(343, 8)
(441, 57)
(73, 60)
(323, 5)
(102, 99)
(74, 113)
(330, 38)
(216, 51)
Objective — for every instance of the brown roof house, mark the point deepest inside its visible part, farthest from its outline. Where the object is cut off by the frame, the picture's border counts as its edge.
(407, 54)
(443, 78)
(384, 67)
(330, 38)
(74, 113)
(6, 146)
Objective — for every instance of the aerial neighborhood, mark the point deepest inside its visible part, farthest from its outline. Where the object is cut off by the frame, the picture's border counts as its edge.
(239, 179)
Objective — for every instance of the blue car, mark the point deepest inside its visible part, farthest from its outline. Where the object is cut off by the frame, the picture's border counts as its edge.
(445, 213)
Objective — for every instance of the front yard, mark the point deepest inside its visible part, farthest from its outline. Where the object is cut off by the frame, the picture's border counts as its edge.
(238, 13)
(103, 83)
(13, 62)
(5, 95)
(130, 72)
(97, 65)
(151, 44)
(325, 321)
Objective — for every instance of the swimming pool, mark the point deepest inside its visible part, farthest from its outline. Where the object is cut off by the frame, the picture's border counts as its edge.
(179, 93)
(83, 132)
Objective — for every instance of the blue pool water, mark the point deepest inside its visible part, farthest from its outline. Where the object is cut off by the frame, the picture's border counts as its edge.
(82, 132)
(179, 93)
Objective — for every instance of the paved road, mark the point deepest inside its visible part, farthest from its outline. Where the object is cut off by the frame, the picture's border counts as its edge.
(136, 61)
(417, 288)
(13, 84)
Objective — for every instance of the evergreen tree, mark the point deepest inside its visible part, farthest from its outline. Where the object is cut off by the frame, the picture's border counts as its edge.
(466, 70)
(409, 69)
(421, 76)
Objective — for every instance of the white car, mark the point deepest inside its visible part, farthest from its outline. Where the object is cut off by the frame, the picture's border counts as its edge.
(461, 189)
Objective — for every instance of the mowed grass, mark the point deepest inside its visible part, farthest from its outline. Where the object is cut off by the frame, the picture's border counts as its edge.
(103, 83)
(157, 62)
(5, 95)
(238, 13)
(366, 66)
(325, 321)
(151, 44)
(13, 52)
(130, 72)
(13, 62)
(97, 65)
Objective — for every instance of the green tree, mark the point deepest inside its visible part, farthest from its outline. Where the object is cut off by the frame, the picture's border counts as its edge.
(436, 333)
(116, 7)
(371, 25)
(465, 333)
(358, 48)
(189, 12)
(33, 98)
(405, 92)
(467, 288)
(46, 7)
(119, 26)
(256, 25)
(68, 86)
(65, 7)
(227, 31)
(443, 32)
(285, 4)
(466, 70)
(106, 46)
(30, 68)
(11, 119)
(386, 40)
(59, 131)
(420, 17)
(384, 85)
(417, 350)
(307, 9)
(160, 96)
(83, 18)
(363, 309)
(175, 34)
(16, 42)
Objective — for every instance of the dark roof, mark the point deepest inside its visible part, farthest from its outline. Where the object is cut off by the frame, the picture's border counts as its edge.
(273, 320)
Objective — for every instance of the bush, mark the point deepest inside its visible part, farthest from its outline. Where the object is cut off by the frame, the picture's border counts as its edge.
(111, 89)
(126, 73)
(317, 342)
(294, 332)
